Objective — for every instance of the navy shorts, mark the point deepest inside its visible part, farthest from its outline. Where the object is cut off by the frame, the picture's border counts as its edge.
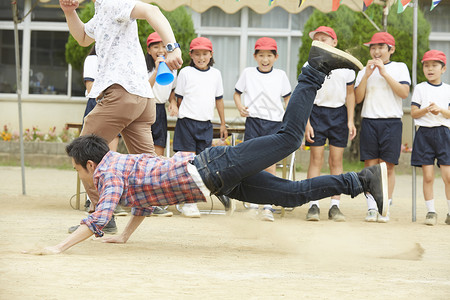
(255, 127)
(159, 128)
(431, 143)
(91, 103)
(329, 123)
(381, 138)
(192, 135)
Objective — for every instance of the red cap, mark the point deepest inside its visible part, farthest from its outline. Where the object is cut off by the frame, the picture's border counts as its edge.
(381, 38)
(266, 43)
(435, 55)
(324, 29)
(201, 43)
(153, 38)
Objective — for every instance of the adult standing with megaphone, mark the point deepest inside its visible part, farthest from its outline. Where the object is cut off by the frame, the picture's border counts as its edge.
(163, 81)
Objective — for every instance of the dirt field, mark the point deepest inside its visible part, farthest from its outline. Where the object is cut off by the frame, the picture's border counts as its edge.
(225, 257)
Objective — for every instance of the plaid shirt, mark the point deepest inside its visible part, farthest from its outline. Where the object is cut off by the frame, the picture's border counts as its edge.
(140, 181)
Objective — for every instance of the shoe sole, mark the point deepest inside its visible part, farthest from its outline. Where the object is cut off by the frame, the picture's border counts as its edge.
(384, 183)
(169, 214)
(313, 218)
(338, 52)
(121, 214)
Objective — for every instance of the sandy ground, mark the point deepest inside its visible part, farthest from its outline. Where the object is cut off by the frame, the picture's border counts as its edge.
(225, 257)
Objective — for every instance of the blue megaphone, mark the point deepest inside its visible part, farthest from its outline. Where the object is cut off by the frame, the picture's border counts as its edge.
(164, 75)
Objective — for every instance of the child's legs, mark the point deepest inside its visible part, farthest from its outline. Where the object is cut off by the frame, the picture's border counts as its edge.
(428, 181)
(229, 165)
(335, 161)
(159, 129)
(316, 157)
(445, 173)
(264, 188)
(391, 178)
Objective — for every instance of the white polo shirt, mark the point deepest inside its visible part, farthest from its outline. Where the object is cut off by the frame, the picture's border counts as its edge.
(120, 56)
(333, 92)
(263, 93)
(380, 101)
(199, 90)
(90, 69)
(162, 92)
(424, 94)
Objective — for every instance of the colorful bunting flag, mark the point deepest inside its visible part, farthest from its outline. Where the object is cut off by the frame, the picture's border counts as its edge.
(270, 2)
(434, 3)
(366, 4)
(402, 4)
(300, 2)
(335, 5)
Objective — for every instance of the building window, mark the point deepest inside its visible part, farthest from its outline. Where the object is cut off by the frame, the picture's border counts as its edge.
(8, 61)
(234, 36)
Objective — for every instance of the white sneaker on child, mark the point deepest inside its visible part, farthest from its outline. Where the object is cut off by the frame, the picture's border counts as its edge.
(372, 215)
(190, 211)
(267, 215)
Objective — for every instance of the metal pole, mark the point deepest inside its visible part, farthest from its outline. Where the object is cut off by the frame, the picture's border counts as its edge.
(19, 91)
(414, 82)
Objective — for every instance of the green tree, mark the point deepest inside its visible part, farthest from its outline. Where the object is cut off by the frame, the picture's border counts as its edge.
(179, 19)
(353, 30)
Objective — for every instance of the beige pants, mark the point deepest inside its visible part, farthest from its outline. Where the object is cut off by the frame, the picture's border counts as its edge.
(121, 112)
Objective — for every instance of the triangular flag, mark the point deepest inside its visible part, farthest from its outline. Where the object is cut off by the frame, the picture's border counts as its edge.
(301, 2)
(335, 5)
(366, 4)
(270, 2)
(402, 4)
(434, 3)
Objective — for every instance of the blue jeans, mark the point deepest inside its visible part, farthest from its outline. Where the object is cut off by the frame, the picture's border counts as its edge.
(238, 171)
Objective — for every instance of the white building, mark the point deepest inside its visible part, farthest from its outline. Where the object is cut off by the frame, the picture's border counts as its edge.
(53, 94)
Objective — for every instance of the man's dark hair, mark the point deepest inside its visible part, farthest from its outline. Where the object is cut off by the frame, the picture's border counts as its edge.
(87, 147)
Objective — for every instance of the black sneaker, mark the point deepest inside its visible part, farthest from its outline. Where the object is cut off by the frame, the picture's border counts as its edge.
(225, 201)
(313, 213)
(374, 181)
(325, 58)
(161, 212)
(335, 214)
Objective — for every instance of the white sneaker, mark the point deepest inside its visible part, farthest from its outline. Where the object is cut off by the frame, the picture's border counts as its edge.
(267, 215)
(382, 219)
(190, 211)
(372, 215)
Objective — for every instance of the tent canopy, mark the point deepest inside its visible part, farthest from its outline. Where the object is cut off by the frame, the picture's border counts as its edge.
(260, 6)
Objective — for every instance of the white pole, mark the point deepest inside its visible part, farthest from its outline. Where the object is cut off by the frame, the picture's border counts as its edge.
(414, 82)
(19, 91)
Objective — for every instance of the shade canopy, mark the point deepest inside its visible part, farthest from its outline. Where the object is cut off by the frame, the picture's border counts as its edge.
(260, 6)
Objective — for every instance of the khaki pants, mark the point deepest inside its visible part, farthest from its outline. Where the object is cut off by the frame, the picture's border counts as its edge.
(121, 112)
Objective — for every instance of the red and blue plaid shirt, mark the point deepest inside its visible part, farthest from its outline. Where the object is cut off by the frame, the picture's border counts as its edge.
(141, 181)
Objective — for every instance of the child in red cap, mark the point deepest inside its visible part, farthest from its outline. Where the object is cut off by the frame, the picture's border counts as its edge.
(382, 85)
(199, 89)
(263, 90)
(331, 118)
(163, 93)
(430, 110)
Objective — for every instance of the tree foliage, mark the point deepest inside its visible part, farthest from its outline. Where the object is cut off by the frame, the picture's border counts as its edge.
(179, 19)
(353, 29)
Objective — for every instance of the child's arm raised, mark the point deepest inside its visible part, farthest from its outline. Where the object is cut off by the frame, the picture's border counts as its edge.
(158, 21)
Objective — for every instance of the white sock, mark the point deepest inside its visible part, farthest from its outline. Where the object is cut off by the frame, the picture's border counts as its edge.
(430, 205)
(189, 205)
(311, 203)
(390, 202)
(254, 206)
(334, 202)
(448, 203)
(267, 206)
(371, 204)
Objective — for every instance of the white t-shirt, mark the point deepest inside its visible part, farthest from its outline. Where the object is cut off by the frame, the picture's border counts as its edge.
(380, 101)
(333, 92)
(90, 69)
(199, 89)
(120, 56)
(424, 94)
(263, 93)
(162, 92)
